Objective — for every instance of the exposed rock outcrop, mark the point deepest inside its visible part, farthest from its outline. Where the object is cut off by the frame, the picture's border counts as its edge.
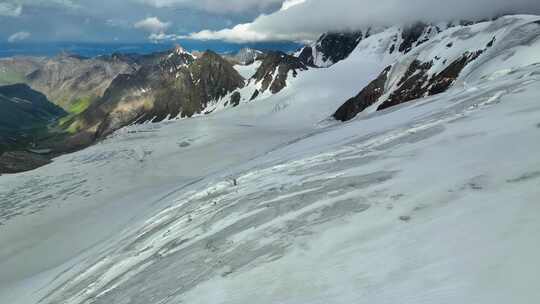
(330, 48)
(275, 70)
(235, 99)
(367, 97)
(417, 83)
(411, 36)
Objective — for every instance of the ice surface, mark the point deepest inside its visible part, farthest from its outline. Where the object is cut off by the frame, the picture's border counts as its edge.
(247, 71)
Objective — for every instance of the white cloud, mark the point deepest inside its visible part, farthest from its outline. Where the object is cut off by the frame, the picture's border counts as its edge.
(305, 20)
(155, 37)
(10, 9)
(246, 33)
(20, 36)
(152, 25)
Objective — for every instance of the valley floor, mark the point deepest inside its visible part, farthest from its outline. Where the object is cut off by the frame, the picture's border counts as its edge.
(434, 201)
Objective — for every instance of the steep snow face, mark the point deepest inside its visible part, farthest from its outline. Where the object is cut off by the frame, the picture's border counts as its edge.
(248, 71)
(364, 211)
(429, 201)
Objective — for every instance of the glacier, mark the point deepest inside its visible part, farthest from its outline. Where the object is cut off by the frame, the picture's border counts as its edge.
(431, 201)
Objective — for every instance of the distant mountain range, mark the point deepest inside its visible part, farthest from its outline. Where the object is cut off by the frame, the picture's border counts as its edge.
(94, 49)
(105, 93)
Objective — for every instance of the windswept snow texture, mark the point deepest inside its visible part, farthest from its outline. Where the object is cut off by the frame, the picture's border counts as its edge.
(432, 201)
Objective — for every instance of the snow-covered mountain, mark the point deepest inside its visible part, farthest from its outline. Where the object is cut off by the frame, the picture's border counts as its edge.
(178, 85)
(438, 60)
(431, 200)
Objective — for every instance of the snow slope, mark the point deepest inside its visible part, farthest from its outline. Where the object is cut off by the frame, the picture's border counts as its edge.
(433, 201)
(247, 71)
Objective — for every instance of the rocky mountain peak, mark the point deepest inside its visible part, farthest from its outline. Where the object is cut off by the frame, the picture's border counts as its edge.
(178, 86)
(244, 56)
(176, 59)
(215, 75)
(178, 49)
(247, 56)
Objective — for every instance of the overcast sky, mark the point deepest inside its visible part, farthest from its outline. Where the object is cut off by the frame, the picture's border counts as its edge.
(231, 20)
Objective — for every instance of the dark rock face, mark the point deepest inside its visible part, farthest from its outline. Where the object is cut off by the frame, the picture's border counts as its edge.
(335, 47)
(414, 35)
(410, 85)
(306, 56)
(442, 81)
(214, 76)
(367, 97)
(20, 161)
(410, 35)
(492, 42)
(275, 69)
(208, 78)
(235, 99)
(255, 95)
(331, 48)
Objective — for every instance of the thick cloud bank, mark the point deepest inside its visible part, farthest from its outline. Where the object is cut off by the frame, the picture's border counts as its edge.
(307, 19)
